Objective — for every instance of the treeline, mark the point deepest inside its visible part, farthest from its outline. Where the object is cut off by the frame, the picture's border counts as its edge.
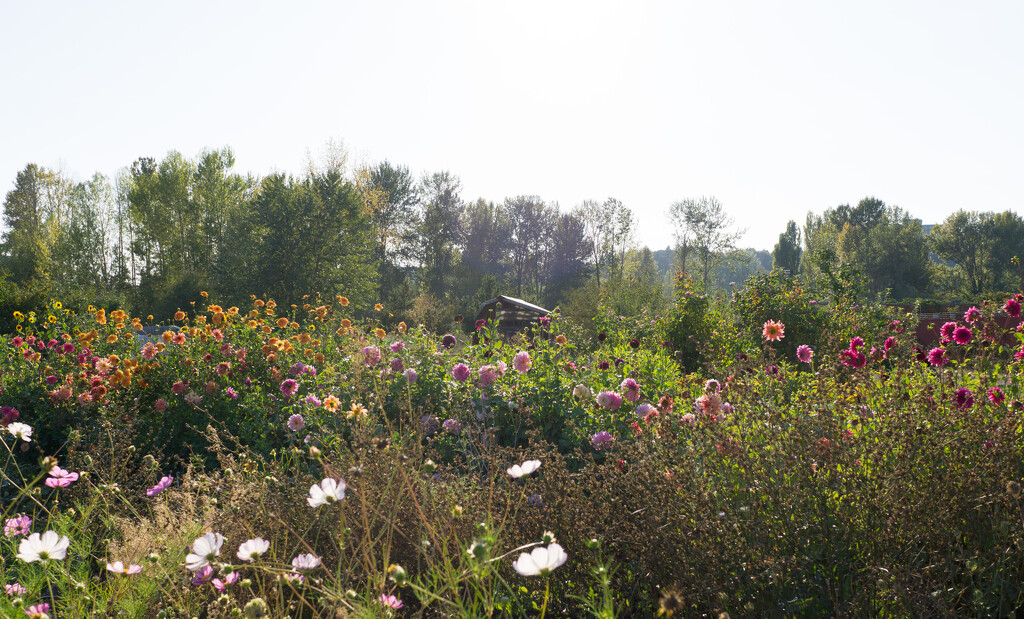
(880, 250)
(162, 231)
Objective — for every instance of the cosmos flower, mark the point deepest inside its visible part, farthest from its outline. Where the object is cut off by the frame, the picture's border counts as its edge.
(222, 585)
(20, 430)
(17, 526)
(118, 567)
(204, 550)
(527, 468)
(540, 561)
(59, 478)
(327, 491)
(296, 423)
(390, 601)
(43, 547)
(804, 353)
(972, 315)
(252, 549)
(305, 562)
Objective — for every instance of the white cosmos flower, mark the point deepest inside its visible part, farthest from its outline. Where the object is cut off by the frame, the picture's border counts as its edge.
(21, 430)
(43, 548)
(526, 468)
(327, 491)
(305, 562)
(541, 561)
(252, 549)
(204, 550)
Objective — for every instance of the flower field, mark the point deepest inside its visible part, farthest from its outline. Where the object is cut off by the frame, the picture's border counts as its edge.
(309, 462)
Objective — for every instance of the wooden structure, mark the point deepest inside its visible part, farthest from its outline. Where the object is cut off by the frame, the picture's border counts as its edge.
(513, 315)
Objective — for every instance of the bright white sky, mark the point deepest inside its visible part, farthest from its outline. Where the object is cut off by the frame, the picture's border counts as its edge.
(775, 108)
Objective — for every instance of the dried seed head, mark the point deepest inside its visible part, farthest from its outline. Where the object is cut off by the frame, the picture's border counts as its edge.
(670, 603)
(1013, 489)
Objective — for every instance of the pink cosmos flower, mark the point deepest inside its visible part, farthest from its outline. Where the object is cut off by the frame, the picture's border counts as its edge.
(609, 400)
(15, 589)
(996, 396)
(296, 423)
(203, 575)
(460, 372)
(962, 336)
(218, 335)
(163, 484)
(59, 478)
(390, 601)
(521, 362)
(179, 338)
(17, 526)
(221, 585)
(38, 611)
(972, 315)
(804, 353)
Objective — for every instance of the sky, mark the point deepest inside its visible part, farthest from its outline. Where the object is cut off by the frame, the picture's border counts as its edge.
(774, 108)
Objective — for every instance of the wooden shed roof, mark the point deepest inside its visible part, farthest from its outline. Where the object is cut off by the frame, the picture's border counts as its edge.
(510, 303)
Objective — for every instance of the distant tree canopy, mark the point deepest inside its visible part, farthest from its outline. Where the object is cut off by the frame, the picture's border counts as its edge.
(163, 230)
(976, 250)
(881, 245)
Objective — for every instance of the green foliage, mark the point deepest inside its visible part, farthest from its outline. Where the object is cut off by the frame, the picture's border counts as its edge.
(789, 481)
(786, 255)
(699, 335)
(779, 297)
